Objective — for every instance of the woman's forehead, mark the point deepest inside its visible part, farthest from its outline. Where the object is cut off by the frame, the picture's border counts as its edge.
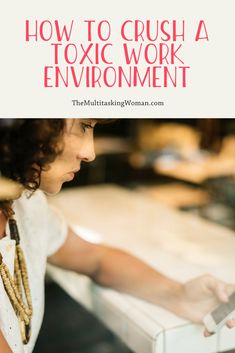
(71, 121)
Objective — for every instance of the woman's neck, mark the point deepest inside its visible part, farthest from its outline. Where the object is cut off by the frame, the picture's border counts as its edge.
(3, 223)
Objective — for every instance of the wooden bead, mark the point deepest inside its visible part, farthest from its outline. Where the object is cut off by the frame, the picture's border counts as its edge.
(15, 286)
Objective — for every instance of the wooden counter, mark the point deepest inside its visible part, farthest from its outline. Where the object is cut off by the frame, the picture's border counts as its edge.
(180, 245)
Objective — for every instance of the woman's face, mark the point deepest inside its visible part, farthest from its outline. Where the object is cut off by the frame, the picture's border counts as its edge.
(78, 146)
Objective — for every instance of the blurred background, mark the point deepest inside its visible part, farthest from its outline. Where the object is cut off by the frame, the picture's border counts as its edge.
(187, 164)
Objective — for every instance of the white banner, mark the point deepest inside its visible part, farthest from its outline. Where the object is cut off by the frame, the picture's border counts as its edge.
(171, 58)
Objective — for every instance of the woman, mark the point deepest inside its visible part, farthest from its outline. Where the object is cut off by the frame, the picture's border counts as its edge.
(43, 154)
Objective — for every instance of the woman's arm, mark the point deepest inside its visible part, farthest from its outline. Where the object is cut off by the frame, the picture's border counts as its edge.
(117, 269)
(4, 347)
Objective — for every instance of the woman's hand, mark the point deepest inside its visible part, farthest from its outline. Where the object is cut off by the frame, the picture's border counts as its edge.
(192, 300)
(200, 295)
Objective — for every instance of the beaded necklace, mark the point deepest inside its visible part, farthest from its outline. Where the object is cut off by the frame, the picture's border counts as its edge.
(17, 288)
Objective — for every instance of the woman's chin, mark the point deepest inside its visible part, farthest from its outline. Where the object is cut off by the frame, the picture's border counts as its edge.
(52, 189)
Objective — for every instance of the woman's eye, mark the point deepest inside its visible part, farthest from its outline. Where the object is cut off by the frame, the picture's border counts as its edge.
(86, 126)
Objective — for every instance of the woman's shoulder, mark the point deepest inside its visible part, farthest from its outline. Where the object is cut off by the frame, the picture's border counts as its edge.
(36, 201)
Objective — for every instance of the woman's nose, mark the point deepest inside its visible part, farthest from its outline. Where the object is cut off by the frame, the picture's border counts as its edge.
(87, 153)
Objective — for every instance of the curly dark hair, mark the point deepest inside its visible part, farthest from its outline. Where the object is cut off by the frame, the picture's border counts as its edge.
(27, 146)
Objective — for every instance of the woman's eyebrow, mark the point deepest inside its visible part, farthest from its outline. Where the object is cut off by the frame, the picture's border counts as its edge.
(90, 121)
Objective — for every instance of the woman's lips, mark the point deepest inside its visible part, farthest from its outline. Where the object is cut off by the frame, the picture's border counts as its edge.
(71, 175)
